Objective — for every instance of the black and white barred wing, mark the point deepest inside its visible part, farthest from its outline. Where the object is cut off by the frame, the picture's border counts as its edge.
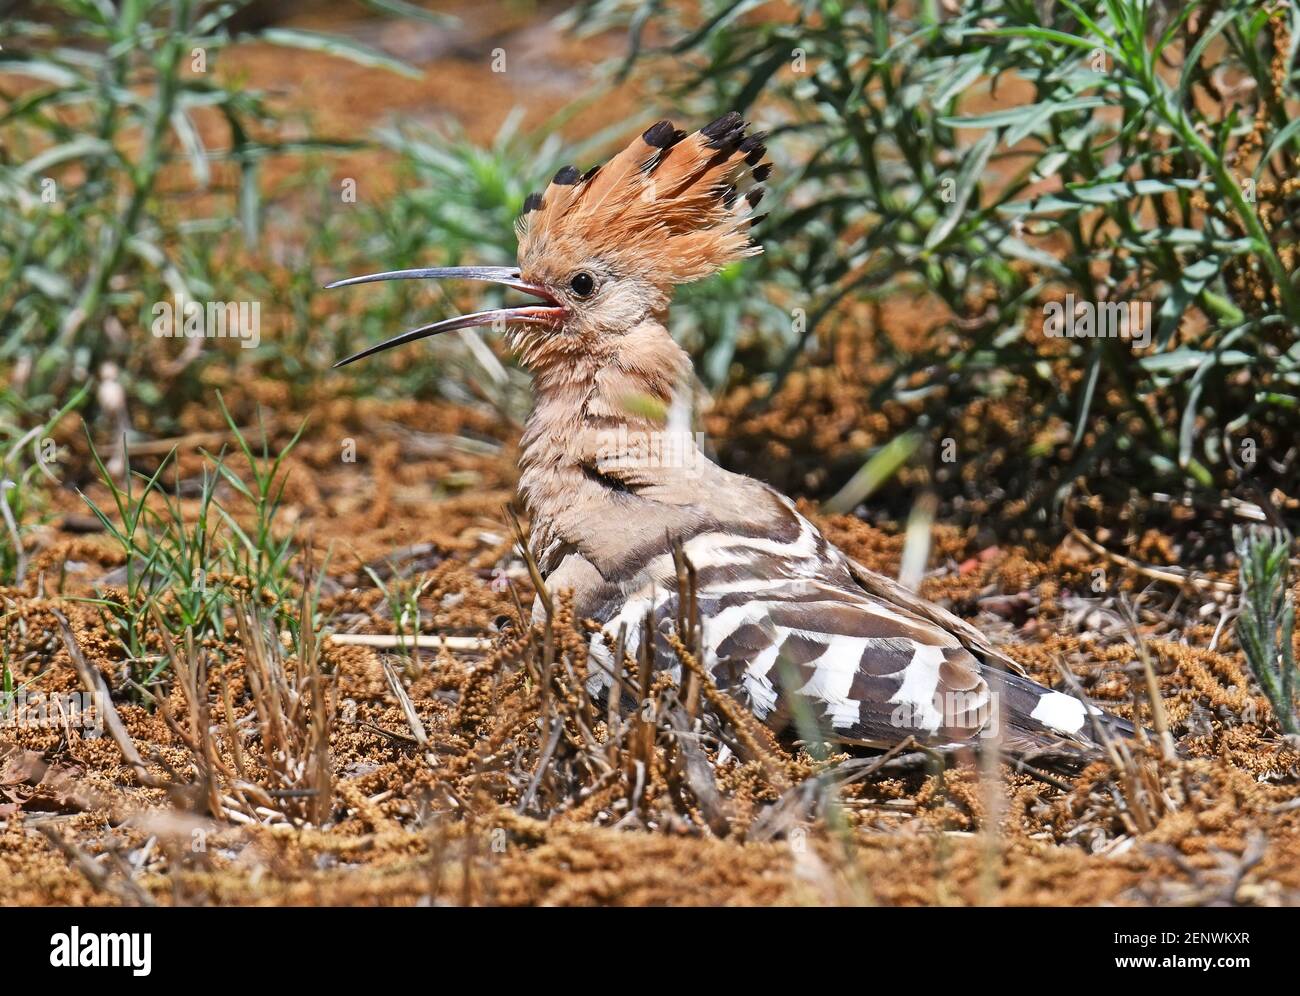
(826, 662)
(864, 671)
(811, 654)
(790, 627)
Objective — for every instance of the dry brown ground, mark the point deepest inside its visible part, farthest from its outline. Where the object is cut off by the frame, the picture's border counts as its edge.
(441, 823)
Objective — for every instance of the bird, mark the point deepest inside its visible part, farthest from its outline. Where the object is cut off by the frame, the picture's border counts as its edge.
(617, 488)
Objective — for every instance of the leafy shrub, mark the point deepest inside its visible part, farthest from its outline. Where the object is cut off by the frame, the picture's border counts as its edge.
(1266, 623)
(1133, 152)
(103, 104)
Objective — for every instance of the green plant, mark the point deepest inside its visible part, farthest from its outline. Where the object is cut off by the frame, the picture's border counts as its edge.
(257, 553)
(29, 453)
(1266, 623)
(403, 598)
(103, 103)
(6, 681)
(188, 560)
(1115, 164)
(164, 559)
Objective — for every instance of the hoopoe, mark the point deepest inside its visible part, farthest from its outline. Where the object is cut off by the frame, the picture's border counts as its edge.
(612, 480)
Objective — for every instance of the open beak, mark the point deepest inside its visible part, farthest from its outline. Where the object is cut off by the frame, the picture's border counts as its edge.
(507, 276)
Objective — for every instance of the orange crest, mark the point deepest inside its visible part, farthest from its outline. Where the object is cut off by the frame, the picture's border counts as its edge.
(665, 208)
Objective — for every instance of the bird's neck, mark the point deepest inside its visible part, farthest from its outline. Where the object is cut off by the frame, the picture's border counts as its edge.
(611, 397)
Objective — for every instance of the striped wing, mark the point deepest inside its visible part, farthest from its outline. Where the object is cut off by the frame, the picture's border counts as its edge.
(790, 630)
(853, 668)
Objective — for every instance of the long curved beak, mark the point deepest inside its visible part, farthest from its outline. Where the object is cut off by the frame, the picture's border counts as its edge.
(507, 276)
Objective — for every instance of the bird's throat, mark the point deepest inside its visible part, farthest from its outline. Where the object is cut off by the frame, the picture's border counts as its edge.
(588, 411)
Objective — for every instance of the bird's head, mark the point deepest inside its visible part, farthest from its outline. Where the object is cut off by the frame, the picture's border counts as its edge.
(602, 250)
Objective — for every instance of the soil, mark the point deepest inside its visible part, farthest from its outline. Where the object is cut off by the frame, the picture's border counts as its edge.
(442, 822)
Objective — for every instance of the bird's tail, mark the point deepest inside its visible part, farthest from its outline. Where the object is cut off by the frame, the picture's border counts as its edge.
(1035, 717)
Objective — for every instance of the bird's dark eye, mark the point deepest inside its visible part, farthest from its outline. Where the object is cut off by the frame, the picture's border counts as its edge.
(582, 283)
